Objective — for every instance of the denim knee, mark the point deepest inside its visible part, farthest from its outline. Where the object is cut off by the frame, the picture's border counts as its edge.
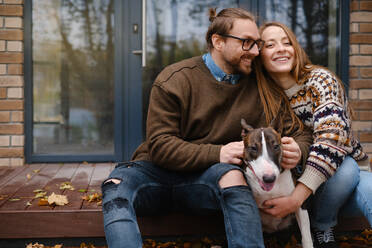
(214, 173)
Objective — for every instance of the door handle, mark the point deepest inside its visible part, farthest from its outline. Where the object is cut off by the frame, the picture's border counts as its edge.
(144, 45)
(137, 52)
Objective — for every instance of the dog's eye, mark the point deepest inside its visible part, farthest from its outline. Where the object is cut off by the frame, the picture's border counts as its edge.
(276, 147)
(252, 149)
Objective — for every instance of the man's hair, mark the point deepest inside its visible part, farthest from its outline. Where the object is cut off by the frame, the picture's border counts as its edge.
(223, 22)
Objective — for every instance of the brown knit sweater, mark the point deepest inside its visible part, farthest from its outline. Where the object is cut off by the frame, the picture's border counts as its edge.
(191, 115)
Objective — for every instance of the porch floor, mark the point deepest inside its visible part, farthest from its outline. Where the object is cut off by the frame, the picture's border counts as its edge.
(22, 217)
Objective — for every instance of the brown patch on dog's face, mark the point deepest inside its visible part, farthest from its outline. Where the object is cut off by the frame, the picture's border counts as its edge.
(274, 145)
(253, 144)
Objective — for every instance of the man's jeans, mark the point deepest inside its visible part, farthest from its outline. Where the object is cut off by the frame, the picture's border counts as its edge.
(348, 193)
(146, 189)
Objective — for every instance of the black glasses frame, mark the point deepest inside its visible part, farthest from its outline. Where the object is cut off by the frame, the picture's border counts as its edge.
(260, 43)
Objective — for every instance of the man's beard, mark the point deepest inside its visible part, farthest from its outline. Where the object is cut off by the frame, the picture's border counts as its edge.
(238, 67)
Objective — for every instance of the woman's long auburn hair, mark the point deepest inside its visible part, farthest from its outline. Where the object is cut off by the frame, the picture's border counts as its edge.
(270, 92)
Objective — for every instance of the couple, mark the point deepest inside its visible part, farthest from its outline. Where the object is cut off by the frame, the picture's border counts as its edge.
(192, 154)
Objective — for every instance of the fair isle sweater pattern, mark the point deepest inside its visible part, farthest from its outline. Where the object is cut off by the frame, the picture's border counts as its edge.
(320, 102)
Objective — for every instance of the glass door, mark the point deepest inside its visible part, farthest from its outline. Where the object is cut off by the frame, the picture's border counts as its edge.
(74, 84)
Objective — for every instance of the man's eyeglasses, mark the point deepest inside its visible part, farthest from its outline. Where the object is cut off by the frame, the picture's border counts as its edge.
(248, 43)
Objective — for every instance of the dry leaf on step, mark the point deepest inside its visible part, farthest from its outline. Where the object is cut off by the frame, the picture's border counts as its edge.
(59, 200)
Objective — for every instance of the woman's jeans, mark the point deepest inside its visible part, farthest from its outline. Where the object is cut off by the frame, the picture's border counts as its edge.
(348, 193)
(146, 189)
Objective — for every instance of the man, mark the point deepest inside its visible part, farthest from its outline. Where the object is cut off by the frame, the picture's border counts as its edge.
(192, 154)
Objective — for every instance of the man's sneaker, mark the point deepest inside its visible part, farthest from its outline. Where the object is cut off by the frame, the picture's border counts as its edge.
(324, 239)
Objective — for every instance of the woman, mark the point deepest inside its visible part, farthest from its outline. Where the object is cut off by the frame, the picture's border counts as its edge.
(318, 98)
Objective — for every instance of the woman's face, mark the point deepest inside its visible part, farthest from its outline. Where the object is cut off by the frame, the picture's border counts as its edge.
(278, 53)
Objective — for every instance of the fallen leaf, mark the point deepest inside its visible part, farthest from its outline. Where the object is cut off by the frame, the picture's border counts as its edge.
(2, 197)
(36, 245)
(36, 171)
(28, 203)
(66, 185)
(38, 190)
(96, 197)
(58, 200)
(14, 199)
(82, 190)
(40, 194)
(43, 202)
(28, 176)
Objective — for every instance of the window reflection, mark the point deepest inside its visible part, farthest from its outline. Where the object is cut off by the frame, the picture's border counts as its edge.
(314, 23)
(73, 77)
(175, 31)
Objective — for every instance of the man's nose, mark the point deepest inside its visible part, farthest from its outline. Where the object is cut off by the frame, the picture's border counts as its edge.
(254, 50)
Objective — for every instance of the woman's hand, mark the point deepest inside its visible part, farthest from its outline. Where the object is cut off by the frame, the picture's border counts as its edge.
(291, 153)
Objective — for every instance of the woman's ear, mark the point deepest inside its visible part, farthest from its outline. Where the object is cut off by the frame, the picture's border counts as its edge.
(218, 42)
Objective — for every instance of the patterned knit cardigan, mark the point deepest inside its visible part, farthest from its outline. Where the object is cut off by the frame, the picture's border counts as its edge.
(321, 104)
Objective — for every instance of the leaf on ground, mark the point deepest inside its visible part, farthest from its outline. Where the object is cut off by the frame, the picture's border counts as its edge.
(40, 194)
(36, 245)
(28, 203)
(43, 202)
(58, 200)
(28, 176)
(66, 185)
(2, 197)
(83, 245)
(96, 197)
(36, 171)
(82, 190)
(14, 199)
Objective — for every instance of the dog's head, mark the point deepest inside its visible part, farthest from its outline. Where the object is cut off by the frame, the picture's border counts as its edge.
(262, 154)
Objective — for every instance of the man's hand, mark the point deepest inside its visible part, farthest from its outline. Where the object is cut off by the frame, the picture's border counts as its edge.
(291, 153)
(232, 153)
(282, 206)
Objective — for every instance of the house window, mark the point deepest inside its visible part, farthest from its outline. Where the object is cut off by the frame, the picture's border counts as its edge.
(72, 75)
(317, 25)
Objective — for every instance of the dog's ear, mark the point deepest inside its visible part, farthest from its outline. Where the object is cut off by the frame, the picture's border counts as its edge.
(245, 128)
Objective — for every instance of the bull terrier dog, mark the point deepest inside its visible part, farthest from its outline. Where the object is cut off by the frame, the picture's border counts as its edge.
(267, 179)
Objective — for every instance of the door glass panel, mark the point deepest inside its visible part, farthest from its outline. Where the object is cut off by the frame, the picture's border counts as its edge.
(73, 77)
(314, 23)
(175, 31)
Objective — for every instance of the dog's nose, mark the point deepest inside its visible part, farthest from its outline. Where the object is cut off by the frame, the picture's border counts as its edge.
(269, 178)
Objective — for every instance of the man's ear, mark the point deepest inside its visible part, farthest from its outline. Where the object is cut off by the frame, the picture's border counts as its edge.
(217, 42)
(245, 128)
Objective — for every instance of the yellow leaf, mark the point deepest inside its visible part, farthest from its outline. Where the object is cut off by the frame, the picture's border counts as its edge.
(40, 195)
(36, 171)
(58, 200)
(14, 199)
(28, 176)
(36, 245)
(66, 185)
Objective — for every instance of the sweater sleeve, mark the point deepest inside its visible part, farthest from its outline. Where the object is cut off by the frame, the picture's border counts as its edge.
(331, 128)
(166, 146)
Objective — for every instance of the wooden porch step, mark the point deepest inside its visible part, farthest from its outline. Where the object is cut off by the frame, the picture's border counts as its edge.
(82, 219)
